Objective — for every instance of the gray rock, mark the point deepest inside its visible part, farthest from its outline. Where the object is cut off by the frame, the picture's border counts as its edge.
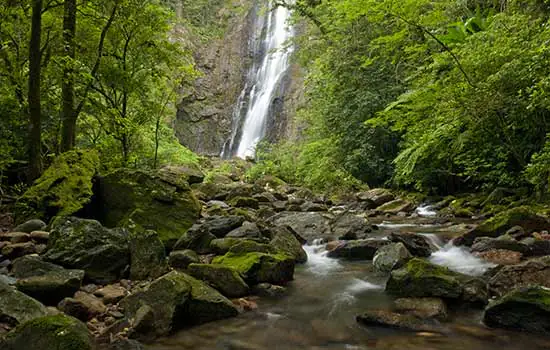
(416, 244)
(46, 282)
(348, 226)
(16, 307)
(483, 244)
(180, 259)
(425, 308)
(85, 244)
(378, 196)
(531, 272)
(308, 225)
(147, 255)
(363, 249)
(220, 226)
(389, 319)
(197, 238)
(390, 257)
(396, 206)
(83, 306)
(285, 242)
(31, 225)
(247, 230)
(225, 279)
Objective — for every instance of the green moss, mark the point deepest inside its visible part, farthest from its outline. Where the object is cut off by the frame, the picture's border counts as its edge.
(238, 261)
(506, 220)
(51, 333)
(64, 188)
(535, 295)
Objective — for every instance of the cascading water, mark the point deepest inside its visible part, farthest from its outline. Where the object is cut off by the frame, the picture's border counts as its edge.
(271, 59)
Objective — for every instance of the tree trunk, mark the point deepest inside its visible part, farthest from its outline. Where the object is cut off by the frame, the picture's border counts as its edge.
(69, 115)
(35, 130)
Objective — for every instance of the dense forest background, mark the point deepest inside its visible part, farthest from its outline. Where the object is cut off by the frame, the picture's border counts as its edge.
(436, 96)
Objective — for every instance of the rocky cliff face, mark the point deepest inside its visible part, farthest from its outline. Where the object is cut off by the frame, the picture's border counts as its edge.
(205, 111)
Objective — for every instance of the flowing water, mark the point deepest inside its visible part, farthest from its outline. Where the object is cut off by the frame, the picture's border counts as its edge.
(271, 59)
(319, 311)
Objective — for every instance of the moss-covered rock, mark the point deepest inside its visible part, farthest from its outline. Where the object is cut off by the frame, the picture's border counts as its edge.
(390, 257)
(190, 173)
(361, 249)
(84, 244)
(16, 307)
(149, 201)
(502, 222)
(259, 267)
(223, 278)
(249, 246)
(526, 308)
(64, 189)
(180, 259)
(396, 206)
(50, 333)
(244, 202)
(147, 255)
(420, 278)
(221, 246)
(285, 242)
(175, 300)
(531, 272)
(44, 281)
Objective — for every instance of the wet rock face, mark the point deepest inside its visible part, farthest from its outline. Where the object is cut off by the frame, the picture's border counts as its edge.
(390, 257)
(416, 244)
(526, 308)
(309, 225)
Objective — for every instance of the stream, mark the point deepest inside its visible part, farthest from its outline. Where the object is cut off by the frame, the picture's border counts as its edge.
(319, 309)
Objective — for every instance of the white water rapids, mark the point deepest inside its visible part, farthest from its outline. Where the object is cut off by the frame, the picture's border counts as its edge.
(272, 62)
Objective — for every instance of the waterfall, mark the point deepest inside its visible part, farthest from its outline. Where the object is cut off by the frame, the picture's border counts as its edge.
(271, 62)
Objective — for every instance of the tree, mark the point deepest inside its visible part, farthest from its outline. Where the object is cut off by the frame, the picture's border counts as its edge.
(68, 94)
(35, 113)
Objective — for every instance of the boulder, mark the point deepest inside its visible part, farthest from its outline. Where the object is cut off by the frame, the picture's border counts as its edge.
(363, 249)
(526, 309)
(416, 244)
(189, 173)
(500, 256)
(220, 246)
(220, 226)
(391, 256)
(180, 259)
(536, 247)
(147, 255)
(420, 278)
(308, 225)
(396, 206)
(247, 230)
(173, 301)
(249, 246)
(534, 271)
(389, 319)
(64, 189)
(502, 222)
(225, 279)
(85, 244)
(244, 202)
(14, 251)
(350, 227)
(16, 307)
(197, 238)
(111, 294)
(46, 282)
(148, 201)
(259, 267)
(483, 244)
(424, 308)
(83, 306)
(284, 241)
(378, 196)
(50, 333)
(40, 236)
(268, 290)
(30, 226)
(15, 237)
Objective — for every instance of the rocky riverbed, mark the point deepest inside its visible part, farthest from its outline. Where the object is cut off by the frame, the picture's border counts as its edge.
(173, 261)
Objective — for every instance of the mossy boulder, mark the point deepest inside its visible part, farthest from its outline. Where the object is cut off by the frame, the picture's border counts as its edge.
(174, 301)
(220, 226)
(16, 307)
(64, 189)
(396, 206)
(147, 255)
(244, 202)
(148, 201)
(46, 282)
(224, 279)
(50, 333)
(190, 173)
(526, 309)
(391, 256)
(502, 222)
(221, 246)
(259, 267)
(180, 259)
(420, 278)
(249, 246)
(284, 241)
(85, 244)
